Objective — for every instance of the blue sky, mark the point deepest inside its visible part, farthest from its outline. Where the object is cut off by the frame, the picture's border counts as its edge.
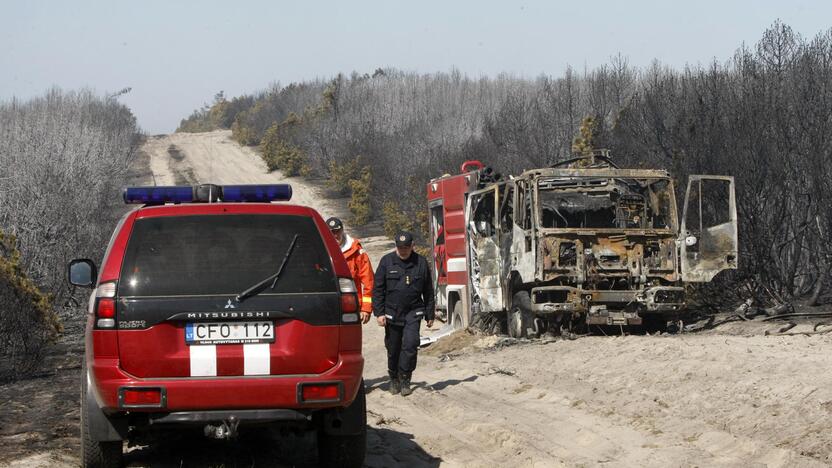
(177, 54)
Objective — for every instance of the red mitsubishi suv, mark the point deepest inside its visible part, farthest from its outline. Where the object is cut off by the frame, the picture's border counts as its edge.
(217, 309)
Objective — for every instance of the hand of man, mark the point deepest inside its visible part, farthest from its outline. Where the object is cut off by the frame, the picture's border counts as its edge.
(382, 320)
(429, 323)
(365, 317)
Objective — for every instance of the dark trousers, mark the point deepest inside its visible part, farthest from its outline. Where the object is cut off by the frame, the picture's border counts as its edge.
(402, 343)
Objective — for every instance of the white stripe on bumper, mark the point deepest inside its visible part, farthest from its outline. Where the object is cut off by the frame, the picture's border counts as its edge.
(203, 360)
(257, 359)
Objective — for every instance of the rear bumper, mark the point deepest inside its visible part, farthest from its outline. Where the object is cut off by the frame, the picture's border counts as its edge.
(200, 394)
(245, 416)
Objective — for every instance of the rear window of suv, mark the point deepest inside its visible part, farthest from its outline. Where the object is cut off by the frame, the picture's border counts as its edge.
(222, 255)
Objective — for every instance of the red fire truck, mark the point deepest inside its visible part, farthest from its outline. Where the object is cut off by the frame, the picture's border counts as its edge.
(446, 201)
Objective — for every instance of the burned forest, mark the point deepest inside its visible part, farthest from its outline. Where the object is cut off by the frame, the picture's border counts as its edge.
(763, 116)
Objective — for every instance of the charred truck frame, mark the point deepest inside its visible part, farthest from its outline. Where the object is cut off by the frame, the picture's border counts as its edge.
(582, 242)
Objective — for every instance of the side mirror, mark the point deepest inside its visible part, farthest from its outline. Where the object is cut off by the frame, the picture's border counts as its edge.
(690, 241)
(82, 273)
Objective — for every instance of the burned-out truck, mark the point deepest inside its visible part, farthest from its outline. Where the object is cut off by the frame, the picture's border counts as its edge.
(580, 243)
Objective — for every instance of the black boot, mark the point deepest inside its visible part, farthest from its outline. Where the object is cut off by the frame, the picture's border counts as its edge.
(395, 386)
(405, 384)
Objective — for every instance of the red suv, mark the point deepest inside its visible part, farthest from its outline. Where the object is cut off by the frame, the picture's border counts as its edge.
(218, 309)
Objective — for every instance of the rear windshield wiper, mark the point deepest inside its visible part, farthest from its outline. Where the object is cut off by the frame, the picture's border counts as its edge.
(259, 287)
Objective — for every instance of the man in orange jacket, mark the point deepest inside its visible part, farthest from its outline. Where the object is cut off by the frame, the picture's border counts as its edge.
(359, 263)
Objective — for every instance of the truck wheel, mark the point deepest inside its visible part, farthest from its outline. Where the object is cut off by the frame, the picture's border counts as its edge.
(96, 454)
(456, 316)
(344, 450)
(520, 316)
(654, 323)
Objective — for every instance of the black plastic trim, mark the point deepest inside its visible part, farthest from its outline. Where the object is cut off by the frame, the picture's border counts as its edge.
(103, 428)
(350, 420)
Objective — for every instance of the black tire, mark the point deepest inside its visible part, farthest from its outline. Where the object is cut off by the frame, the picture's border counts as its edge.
(654, 323)
(344, 450)
(96, 454)
(520, 317)
(498, 324)
(456, 316)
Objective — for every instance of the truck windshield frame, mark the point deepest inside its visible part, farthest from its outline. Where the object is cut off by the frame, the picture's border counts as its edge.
(605, 203)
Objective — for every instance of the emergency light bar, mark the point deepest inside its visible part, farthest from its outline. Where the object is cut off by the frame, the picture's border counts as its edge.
(256, 193)
(208, 193)
(158, 195)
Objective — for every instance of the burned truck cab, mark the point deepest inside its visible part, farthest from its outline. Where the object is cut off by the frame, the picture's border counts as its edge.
(584, 242)
(606, 245)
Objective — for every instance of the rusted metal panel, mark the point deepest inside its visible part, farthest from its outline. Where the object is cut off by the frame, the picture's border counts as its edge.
(606, 172)
(554, 299)
(488, 278)
(523, 265)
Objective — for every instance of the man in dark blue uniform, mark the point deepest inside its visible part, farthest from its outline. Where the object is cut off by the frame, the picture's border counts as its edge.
(402, 297)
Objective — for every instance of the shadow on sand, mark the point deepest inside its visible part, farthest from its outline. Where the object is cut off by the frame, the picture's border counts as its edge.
(265, 448)
(388, 447)
(383, 383)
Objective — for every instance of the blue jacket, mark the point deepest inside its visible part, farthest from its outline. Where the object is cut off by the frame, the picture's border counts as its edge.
(403, 286)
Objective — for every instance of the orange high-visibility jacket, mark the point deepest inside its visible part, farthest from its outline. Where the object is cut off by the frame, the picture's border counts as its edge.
(362, 271)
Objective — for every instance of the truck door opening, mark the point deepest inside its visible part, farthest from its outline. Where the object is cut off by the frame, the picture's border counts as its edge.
(484, 248)
(708, 235)
(437, 230)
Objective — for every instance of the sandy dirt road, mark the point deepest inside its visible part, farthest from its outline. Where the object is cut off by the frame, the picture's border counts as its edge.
(727, 397)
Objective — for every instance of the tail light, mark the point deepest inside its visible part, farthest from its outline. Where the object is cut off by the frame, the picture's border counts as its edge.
(105, 307)
(349, 300)
(142, 397)
(319, 392)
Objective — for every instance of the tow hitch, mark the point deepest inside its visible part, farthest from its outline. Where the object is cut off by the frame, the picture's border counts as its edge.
(225, 431)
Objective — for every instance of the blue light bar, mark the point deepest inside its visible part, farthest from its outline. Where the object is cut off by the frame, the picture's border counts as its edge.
(158, 195)
(256, 193)
(207, 193)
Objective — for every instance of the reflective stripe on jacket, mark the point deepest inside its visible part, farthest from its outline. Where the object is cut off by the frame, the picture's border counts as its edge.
(361, 271)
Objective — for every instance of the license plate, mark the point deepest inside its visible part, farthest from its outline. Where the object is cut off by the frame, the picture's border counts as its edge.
(212, 333)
